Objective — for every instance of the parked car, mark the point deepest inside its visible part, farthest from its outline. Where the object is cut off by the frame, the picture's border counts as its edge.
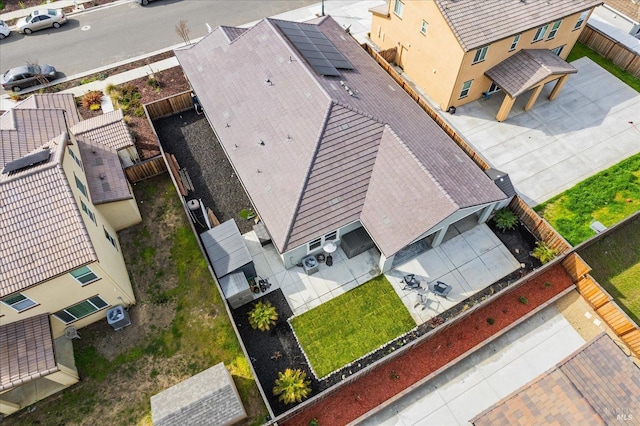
(4, 30)
(18, 78)
(40, 19)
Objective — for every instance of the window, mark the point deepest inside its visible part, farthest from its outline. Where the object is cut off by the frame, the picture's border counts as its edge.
(540, 33)
(514, 43)
(480, 54)
(554, 29)
(558, 50)
(581, 19)
(398, 8)
(110, 238)
(19, 302)
(88, 212)
(331, 236)
(315, 244)
(81, 310)
(84, 275)
(425, 26)
(73, 155)
(81, 186)
(493, 88)
(466, 86)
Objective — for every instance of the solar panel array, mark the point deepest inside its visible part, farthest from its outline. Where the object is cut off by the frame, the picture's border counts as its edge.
(315, 47)
(27, 161)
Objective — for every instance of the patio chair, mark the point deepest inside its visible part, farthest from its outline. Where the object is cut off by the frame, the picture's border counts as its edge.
(425, 301)
(441, 289)
(411, 282)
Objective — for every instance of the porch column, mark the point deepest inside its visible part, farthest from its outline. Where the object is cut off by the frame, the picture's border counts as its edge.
(505, 108)
(439, 236)
(558, 86)
(385, 263)
(534, 97)
(485, 213)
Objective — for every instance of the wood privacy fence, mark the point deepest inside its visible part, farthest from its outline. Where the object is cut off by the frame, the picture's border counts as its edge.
(602, 303)
(169, 105)
(146, 169)
(611, 49)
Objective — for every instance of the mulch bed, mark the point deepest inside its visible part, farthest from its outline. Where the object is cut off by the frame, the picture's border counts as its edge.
(385, 381)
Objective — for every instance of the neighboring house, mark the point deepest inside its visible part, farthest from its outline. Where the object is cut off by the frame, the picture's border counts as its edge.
(460, 51)
(325, 142)
(60, 259)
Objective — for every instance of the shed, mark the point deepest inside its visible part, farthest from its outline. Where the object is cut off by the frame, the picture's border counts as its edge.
(236, 289)
(227, 250)
(208, 398)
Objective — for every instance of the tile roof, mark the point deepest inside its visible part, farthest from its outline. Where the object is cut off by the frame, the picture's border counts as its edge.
(105, 178)
(592, 386)
(43, 232)
(285, 128)
(108, 129)
(208, 398)
(480, 22)
(522, 71)
(26, 351)
(65, 101)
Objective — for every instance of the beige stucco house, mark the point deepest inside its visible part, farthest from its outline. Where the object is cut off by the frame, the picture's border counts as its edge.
(62, 199)
(459, 51)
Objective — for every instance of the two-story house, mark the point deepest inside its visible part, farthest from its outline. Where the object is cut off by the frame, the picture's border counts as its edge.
(62, 200)
(458, 51)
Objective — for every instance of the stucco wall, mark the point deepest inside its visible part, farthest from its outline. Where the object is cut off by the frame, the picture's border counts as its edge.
(121, 214)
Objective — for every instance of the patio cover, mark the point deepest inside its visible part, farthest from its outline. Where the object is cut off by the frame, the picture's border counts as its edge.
(226, 248)
(208, 398)
(26, 351)
(526, 69)
(592, 386)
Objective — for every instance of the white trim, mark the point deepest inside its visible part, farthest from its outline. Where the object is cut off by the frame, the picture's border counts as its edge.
(18, 306)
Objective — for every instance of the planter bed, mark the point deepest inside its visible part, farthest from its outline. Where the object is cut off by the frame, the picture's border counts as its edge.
(385, 381)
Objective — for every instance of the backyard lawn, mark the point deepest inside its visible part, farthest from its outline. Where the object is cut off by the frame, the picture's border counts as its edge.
(179, 328)
(351, 325)
(615, 260)
(580, 50)
(607, 197)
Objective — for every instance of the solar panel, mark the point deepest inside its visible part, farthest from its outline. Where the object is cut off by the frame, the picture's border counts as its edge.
(27, 161)
(315, 48)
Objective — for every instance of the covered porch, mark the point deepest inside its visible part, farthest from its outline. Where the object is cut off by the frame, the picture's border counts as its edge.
(528, 70)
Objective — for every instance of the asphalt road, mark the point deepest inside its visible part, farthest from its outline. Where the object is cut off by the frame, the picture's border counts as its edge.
(97, 38)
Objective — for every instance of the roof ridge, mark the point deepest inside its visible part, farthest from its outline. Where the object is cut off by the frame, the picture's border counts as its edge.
(422, 166)
(103, 120)
(357, 111)
(296, 210)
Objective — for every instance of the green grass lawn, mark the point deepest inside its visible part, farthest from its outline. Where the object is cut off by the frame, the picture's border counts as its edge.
(580, 50)
(615, 260)
(607, 197)
(352, 325)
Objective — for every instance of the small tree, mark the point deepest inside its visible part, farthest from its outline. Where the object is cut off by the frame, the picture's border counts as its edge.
(505, 219)
(543, 252)
(292, 386)
(183, 31)
(263, 316)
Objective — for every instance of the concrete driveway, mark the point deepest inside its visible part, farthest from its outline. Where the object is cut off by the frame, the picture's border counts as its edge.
(593, 124)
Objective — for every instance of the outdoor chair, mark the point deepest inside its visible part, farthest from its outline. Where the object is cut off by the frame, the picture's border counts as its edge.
(425, 301)
(441, 289)
(411, 282)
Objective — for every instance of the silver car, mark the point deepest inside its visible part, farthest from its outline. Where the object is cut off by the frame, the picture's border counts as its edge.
(41, 19)
(27, 75)
(4, 29)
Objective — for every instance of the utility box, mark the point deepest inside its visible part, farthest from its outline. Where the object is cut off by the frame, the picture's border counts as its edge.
(118, 318)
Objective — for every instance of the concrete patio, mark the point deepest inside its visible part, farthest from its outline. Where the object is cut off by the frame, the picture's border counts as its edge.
(469, 262)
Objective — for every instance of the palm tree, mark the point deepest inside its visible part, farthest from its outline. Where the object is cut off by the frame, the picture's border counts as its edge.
(292, 386)
(263, 316)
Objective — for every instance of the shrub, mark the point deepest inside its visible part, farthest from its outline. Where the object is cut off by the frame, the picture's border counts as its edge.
(314, 422)
(292, 386)
(505, 219)
(547, 284)
(263, 316)
(87, 80)
(543, 252)
(490, 321)
(154, 83)
(523, 300)
(92, 98)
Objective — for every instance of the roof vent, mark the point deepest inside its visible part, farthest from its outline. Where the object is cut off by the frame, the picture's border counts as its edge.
(269, 82)
(102, 176)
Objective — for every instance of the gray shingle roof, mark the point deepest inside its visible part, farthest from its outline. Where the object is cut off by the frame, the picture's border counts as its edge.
(232, 33)
(522, 71)
(477, 23)
(592, 386)
(26, 351)
(208, 398)
(259, 88)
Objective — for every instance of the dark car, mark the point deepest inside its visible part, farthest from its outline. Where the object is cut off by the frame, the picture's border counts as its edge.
(18, 78)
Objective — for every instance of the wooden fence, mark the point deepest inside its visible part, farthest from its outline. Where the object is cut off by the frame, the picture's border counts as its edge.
(611, 49)
(146, 169)
(539, 227)
(169, 105)
(602, 303)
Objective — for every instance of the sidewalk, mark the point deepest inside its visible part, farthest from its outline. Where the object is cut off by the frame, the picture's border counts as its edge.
(352, 14)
